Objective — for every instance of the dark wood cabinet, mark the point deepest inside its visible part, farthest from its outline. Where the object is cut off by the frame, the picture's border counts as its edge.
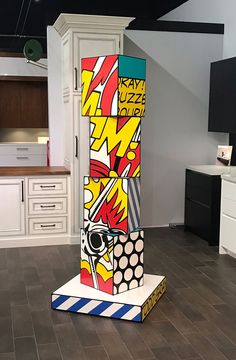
(202, 205)
(23, 102)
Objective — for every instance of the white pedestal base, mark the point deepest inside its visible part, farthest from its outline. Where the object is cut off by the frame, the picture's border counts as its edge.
(133, 305)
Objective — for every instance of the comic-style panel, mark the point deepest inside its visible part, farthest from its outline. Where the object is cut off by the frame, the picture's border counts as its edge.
(132, 86)
(153, 298)
(96, 264)
(99, 86)
(115, 146)
(112, 263)
(113, 85)
(128, 261)
(111, 204)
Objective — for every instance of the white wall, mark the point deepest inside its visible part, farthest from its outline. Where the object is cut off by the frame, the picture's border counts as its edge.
(19, 67)
(218, 11)
(174, 130)
(55, 106)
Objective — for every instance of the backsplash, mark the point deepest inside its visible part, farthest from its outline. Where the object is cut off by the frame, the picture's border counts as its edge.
(21, 135)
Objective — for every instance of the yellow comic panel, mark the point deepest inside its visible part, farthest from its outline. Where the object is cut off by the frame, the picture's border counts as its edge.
(131, 98)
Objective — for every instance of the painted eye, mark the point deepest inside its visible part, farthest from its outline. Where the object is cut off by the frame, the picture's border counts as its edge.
(96, 240)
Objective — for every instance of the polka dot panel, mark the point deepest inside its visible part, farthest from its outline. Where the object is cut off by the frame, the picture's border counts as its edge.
(128, 260)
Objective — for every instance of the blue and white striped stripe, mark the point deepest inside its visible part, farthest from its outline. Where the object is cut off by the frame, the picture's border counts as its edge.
(134, 204)
(97, 307)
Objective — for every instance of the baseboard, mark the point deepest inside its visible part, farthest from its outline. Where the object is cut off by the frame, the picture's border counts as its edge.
(224, 251)
(11, 242)
(75, 239)
(174, 225)
(154, 226)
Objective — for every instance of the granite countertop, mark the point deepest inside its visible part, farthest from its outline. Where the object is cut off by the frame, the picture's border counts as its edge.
(213, 169)
(33, 170)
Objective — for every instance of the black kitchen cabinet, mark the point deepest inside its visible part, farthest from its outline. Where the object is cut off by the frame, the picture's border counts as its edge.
(202, 205)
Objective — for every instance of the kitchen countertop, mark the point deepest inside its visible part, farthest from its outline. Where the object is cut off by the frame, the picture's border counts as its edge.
(213, 169)
(33, 170)
(229, 177)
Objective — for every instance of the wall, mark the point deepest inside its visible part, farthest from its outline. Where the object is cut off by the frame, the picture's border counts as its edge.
(218, 11)
(19, 66)
(174, 130)
(55, 107)
(22, 135)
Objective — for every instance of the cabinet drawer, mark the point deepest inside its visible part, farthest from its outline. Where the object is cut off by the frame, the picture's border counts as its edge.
(198, 219)
(228, 207)
(229, 190)
(54, 225)
(198, 187)
(23, 160)
(23, 149)
(48, 186)
(47, 206)
(227, 233)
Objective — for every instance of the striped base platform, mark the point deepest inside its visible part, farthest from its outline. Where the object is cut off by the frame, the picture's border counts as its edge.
(133, 305)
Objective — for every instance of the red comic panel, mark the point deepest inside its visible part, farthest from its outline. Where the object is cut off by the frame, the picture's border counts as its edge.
(106, 204)
(115, 146)
(99, 85)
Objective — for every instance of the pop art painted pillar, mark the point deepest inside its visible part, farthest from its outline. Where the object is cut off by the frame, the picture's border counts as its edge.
(111, 281)
(113, 96)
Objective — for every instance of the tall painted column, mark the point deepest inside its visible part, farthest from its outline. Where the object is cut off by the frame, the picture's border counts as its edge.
(112, 279)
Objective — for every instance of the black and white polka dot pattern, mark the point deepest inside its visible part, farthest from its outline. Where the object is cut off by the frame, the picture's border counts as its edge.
(128, 261)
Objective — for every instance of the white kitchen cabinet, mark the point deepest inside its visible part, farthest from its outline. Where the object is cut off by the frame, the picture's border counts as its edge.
(21, 154)
(88, 45)
(48, 186)
(82, 36)
(12, 207)
(34, 206)
(228, 216)
(47, 205)
(47, 225)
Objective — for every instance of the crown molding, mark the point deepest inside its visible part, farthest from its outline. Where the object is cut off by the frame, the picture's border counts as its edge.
(86, 22)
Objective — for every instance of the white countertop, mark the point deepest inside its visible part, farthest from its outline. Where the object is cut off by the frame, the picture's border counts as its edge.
(214, 169)
(229, 177)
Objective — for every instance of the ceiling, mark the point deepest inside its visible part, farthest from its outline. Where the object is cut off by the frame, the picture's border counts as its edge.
(20, 19)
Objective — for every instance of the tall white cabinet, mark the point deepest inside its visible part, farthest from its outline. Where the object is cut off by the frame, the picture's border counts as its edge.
(81, 36)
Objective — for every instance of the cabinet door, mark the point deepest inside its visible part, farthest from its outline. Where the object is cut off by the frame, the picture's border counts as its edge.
(88, 45)
(12, 218)
(81, 161)
(34, 104)
(23, 103)
(10, 116)
(66, 64)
